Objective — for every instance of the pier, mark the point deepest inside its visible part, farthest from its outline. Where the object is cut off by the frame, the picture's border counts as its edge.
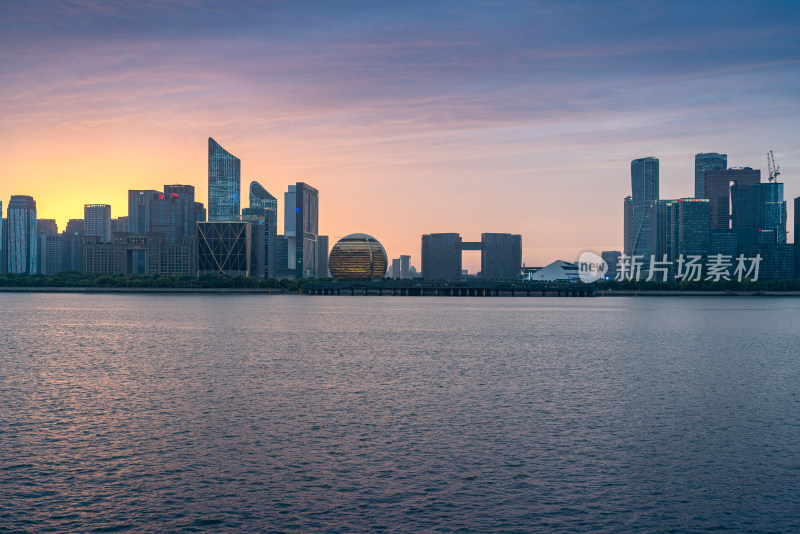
(416, 288)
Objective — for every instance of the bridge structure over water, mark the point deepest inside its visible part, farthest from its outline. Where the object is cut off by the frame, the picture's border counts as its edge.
(478, 288)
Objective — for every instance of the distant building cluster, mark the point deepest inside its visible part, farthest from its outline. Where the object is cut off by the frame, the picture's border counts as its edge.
(734, 225)
(733, 218)
(167, 232)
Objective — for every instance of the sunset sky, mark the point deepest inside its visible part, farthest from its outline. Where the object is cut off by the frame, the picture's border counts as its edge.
(409, 117)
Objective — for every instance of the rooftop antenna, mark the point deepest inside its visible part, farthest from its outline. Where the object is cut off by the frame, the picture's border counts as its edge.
(774, 170)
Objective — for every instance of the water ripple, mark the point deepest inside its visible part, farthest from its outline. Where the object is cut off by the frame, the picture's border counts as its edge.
(170, 413)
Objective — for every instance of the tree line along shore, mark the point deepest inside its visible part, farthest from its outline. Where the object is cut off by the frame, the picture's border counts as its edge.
(221, 281)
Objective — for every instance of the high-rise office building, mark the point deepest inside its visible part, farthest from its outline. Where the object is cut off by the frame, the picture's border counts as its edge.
(717, 189)
(501, 256)
(709, 161)
(394, 270)
(259, 262)
(264, 246)
(301, 229)
(22, 252)
(662, 228)
(679, 226)
(282, 269)
(693, 226)
(73, 246)
(627, 205)
(3, 240)
(139, 201)
(174, 214)
(758, 207)
(441, 256)
(171, 214)
(51, 246)
(796, 238)
(644, 192)
(262, 203)
(224, 183)
(163, 224)
(97, 221)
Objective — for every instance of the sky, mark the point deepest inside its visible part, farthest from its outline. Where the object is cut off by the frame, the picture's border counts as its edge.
(408, 117)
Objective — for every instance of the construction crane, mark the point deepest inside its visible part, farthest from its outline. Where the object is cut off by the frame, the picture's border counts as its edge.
(774, 170)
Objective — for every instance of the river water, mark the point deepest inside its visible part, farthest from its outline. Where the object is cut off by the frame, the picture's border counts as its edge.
(255, 413)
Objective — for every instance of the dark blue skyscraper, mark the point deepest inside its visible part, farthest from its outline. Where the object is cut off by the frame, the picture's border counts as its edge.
(265, 205)
(644, 192)
(3, 240)
(301, 228)
(757, 208)
(224, 172)
(796, 239)
(710, 161)
(73, 246)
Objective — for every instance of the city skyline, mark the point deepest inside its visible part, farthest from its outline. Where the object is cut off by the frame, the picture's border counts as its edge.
(375, 105)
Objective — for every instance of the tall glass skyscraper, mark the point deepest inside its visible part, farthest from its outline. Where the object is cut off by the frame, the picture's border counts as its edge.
(796, 239)
(73, 246)
(693, 226)
(709, 161)
(22, 235)
(3, 265)
(644, 192)
(262, 204)
(224, 177)
(756, 208)
(301, 228)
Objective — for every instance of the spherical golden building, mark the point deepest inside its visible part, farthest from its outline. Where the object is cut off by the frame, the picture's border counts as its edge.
(357, 257)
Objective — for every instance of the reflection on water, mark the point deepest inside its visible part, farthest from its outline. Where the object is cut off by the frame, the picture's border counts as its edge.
(340, 414)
